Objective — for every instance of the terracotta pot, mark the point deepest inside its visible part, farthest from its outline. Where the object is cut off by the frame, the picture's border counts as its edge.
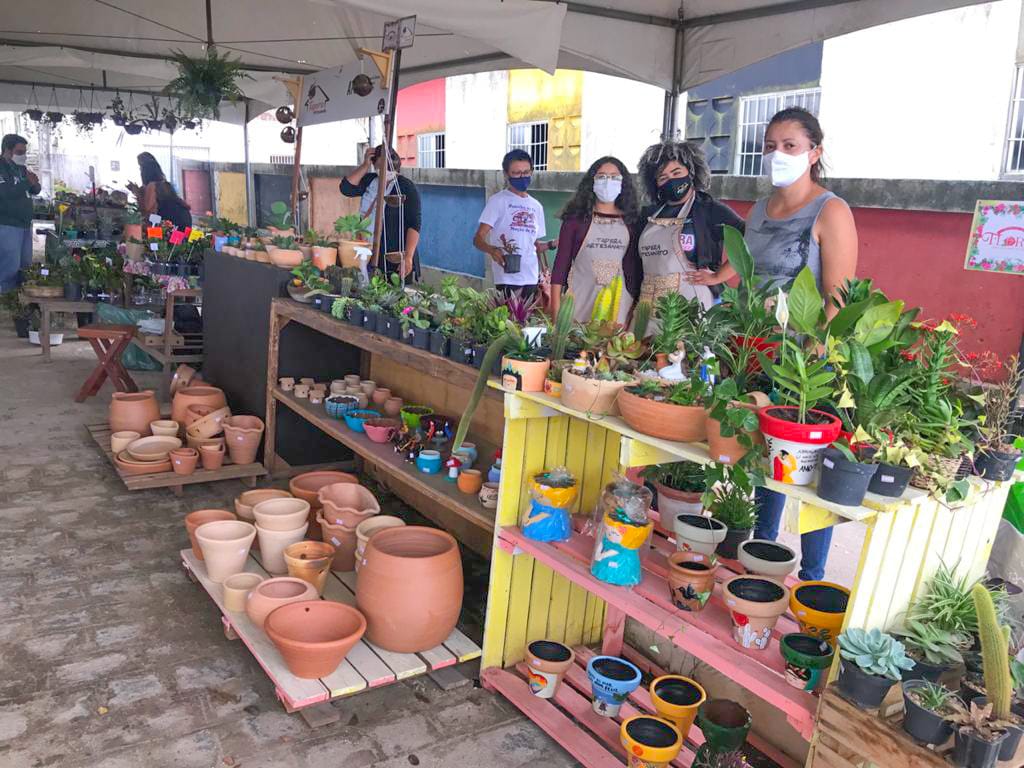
(237, 589)
(248, 499)
(129, 466)
(133, 412)
(212, 456)
(755, 603)
(132, 231)
(194, 519)
(197, 443)
(273, 593)
(591, 395)
(470, 481)
(242, 435)
(380, 396)
(352, 379)
(343, 539)
(310, 561)
(367, 387)
(225, 545)
(210, 424)
(307, 485)
(677, 699)
(286, 258)
(183, 376)
(154, 448)
(301, 391)
(324, 257)
(187, 396)
(273, 544)
(195, 412)
(681, 423)
(119, 441)
(314, 636)
(164, 428)
(184, 460)
(393, 407)
(410, 588)
(366, 529)
(547, 661)
(281, 514)
(691, 578)
(524, 375)
(347, 504)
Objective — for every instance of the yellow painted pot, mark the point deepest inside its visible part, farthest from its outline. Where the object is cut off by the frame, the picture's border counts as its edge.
(677, 699)
(819, 608)
(650, 741)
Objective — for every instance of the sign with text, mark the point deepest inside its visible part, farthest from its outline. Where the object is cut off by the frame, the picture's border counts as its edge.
(330, 95)
(997, 238)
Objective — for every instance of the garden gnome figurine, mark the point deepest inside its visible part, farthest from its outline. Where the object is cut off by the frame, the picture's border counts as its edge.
(453, 464)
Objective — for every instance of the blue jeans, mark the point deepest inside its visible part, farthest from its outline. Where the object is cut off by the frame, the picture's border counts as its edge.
(15, 254)
(813, 546)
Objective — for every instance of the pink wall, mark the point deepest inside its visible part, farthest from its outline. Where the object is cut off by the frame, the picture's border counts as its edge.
(918, 256)
(420, 110)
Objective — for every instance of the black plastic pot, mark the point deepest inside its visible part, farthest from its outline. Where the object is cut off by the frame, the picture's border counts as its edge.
(479, 352)
(922, 670)
(1011, 742)
(922, 724)
(73, 291)
(457, 352)
(996, 465)
(971, 751)
(370, 320)
(860, 688)
(729, 546)
(318, 302)
(843, 481)
(356, 316)
(421, 338)
(890, 480)
(513, 263)
(21, 327)
(392, 328)
(438, 343)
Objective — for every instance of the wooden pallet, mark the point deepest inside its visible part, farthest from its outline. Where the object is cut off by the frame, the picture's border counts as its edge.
(366, 666)
(248, 473)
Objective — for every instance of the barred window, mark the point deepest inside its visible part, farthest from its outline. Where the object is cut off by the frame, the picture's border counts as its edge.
(755, 112)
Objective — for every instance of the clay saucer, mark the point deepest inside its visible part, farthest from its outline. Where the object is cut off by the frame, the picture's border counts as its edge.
(153, 448)
(129, 467)
(209, 425)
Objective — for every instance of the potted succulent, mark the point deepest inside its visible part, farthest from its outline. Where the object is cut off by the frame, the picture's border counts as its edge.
(669, 411)
(733, 506)
(558, 336)
(593, 383)
(42, 281)
(354, 232)
(979, 736)
(870, 664)
(934, 650)
(523, 368)
(285, 252)
(415, 326)
(996, 457)
(928, 710)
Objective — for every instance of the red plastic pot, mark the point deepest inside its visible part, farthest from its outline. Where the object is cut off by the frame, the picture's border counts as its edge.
(759, 344)
(794, 449)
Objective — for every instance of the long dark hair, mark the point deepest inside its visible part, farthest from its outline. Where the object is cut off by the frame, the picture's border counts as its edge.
(151, 171)
(686, 153)
(581, 204)
(812, 130)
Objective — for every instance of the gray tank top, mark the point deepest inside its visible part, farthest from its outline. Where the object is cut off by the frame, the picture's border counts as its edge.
(783, 247)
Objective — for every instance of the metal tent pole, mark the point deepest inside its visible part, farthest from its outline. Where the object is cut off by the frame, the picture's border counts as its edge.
(250, 210)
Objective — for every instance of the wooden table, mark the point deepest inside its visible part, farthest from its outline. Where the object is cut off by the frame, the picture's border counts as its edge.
(49, 307)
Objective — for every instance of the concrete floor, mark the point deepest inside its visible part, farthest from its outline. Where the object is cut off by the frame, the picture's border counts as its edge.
(111, 658)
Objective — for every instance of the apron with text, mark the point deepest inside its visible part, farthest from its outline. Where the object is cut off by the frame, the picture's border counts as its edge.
(598, 262)
(661, 252)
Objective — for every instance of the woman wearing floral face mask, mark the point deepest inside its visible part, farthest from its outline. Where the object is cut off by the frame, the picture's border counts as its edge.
(593, 243)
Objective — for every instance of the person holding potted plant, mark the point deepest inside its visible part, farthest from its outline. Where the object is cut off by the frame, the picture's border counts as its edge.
(17, 186)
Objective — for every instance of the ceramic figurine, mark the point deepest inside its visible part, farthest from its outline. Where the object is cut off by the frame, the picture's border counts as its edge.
(547, 516)
(674, 370)
(625, 527)
(452, 465)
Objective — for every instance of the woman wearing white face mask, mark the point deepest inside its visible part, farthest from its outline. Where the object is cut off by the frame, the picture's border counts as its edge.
(598, 224)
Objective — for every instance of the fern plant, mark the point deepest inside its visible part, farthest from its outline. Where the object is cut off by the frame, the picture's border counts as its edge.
(203, 83)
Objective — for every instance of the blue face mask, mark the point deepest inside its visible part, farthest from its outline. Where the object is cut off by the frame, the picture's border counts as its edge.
(520, 184)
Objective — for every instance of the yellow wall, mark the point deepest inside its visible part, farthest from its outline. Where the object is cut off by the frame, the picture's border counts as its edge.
(231, 197)
(534, 95)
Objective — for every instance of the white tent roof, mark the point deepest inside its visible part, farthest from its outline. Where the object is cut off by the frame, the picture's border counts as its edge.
(76, 44)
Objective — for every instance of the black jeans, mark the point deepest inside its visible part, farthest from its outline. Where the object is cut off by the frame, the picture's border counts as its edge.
(524, 291)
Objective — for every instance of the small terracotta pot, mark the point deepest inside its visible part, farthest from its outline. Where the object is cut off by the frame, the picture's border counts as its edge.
(248, 499)
(194, 519)
(380, 396)
(273, 593)
(366, 529)
(210, 424)
(164, 428)
(547, 661)
(183, 374)
(681, 423)
(119, 441)
(324, 257)
(316, 397)
(489, 495)
(273, 545)
(591, 395)
(393, 407)
(524, 375)
(755, 603)
(133, 412)
(287, 383)
(677, 699)
(237, 589)
(184, 460)
(301, 391)
(691, 578)
(727, 450)
(225, 546)
(367, 387)
(242, 435)
(197, 443)
(281, 514)
(470, 481)
(343, 539)
(187, 396)
(314, 636)
(212, 456)
(347, 504)
(194, 413)
(310, 561)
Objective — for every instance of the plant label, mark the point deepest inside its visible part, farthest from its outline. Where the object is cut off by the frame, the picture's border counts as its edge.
(195, 234)
(44, 272)
(154, 219)
(154, 247)
(154, 233)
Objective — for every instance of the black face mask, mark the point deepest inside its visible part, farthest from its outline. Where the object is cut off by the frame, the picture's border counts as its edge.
(674, 190)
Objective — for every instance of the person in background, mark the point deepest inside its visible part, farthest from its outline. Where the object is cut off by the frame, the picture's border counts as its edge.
(800, 224)
(156, 195)
(512, 223)
(402, 222)
(17, 186)
(683, 228)
(598, 225)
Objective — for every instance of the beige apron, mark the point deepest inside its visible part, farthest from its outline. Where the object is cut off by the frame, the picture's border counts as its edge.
(598, 262)
(661, 253)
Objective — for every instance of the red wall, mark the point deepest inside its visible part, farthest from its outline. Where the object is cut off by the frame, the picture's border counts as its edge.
(420, 110)
(918, 256)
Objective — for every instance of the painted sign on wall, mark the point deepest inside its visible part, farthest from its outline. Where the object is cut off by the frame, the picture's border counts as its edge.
(997, 237)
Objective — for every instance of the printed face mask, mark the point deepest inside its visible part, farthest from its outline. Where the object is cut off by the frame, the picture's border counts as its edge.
(782, 169)
(607, 190)
(674, 190)
(520, 183)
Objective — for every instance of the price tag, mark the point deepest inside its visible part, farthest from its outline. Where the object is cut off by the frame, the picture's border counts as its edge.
(195, 234)
(829, 464)
(154, 219)
(44, 272)
(154, 247)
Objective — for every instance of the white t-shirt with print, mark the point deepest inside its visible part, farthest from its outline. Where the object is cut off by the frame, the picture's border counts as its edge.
(520, 220)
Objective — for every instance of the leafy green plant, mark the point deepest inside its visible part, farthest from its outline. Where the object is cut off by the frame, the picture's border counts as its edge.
(927, 642)
(733, 420)
(685, 476)
(560, 331)
(689, 392)
(947, 603)
(642, 318)
(353, 227)
(934, 698)
(875, 652)
(203, 83)
(733, 506)
(673, 313)
(745, 307)
(518, 345)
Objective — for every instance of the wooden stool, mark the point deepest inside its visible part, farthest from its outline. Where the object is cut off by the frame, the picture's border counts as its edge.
(109, 343)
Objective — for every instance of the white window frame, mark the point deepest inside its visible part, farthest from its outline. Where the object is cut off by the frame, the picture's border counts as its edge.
(525, 136)
(1013, 147)
(752, 119)
(430, 150)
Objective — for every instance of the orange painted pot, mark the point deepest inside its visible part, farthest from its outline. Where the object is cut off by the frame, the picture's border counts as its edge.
(524, 375)
(820, 608)
(677, 699)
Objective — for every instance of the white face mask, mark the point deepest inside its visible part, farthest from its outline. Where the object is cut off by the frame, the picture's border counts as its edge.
(782, 169)
(607, 190)
(21, 160)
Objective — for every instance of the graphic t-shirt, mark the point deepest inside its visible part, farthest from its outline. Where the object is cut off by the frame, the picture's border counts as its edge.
(520, 220)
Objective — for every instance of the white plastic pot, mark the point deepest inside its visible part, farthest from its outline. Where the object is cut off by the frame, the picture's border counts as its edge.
(55, 338)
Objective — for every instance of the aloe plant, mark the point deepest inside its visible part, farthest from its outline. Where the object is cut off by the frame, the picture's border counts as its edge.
(934, 644)
(875, 652)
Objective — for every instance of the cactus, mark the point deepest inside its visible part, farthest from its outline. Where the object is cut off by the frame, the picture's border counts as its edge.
(616, 289)
(562, 327)
(641, 319)
(994, 653)
(874, 652)
(602, 306)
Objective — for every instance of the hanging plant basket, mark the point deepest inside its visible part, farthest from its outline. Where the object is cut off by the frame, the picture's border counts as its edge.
(203, 83)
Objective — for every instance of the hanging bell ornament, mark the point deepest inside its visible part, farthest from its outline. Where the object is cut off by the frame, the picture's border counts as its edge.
(284, 115)
(288, 135)
(361, 85)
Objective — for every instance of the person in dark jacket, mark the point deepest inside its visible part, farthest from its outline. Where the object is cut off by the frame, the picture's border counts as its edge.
(682, 228)
(156, 195)
(401, 222)
(17, 186)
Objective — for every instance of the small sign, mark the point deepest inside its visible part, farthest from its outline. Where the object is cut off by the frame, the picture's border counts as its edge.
(44, 272)
(399, 34)
(155, 233)
(177, 237)
(328, 96)
(154, 219)
(154, 247)
(195, 234)
(996, 243)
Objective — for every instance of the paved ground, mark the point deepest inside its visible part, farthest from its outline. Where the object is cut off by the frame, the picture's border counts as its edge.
(111, 658)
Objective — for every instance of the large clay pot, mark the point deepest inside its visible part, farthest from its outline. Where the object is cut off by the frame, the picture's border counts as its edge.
(691, 578)
(682, 423)
(347, 252)
(755, 602)
(281, 514)
(314, 636)
(273, 545)
(343, 539)
(242, 436)
(187, 396)
(372, 525)
(410, 588)
(249, 499)
(310, 561)
(591, 395)
(677, 699)
(225, 545)
(194, 519)
(273, 593)
(347, 504)
(324, 257)
(133, 412)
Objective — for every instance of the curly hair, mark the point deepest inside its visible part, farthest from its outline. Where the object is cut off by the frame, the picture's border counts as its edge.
(582, 203)
(686, 153)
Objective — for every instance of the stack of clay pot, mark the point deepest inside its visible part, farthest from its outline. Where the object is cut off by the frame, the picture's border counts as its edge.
(344, 507)
(307, 487)
(133, 412)
(372, 525)
(201, 516)
(279, 523)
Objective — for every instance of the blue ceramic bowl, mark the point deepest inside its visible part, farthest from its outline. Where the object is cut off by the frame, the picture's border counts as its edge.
(429, 462)
(338, 405)
(355, 418)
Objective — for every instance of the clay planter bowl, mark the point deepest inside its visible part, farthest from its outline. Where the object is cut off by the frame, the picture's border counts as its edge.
(281, 514)
(195, 412)
(324, 257)
(307, 485)
(129, 466)
(182, 377)
(681, 423)
(343, 539)
(767, 558)
(286, 257)
(209, 425)
(194, 519)
(547, 661)
(409, 587)
(393, 407)
(212, 456)
(366, 530)
(133, 412)
(650, 741)
(368, 387)
(237, 589)
(187, 396)
(197, 443)
(184, 460)
(677, 699)
(314, 636)
(153, 448)
(119, 441)
(164, 428)
(819, 608)
(380, 396)
(310, 561)
(242, 436)
(347, 504)
(248, 499)
(591, 395)
(380, 430)
(691, 579)
(271, 594)
(470, 481)
(755, 603)
(225, 545)
(273, 544)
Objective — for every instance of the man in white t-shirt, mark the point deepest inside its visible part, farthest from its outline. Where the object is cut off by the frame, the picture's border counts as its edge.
(511, 229)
